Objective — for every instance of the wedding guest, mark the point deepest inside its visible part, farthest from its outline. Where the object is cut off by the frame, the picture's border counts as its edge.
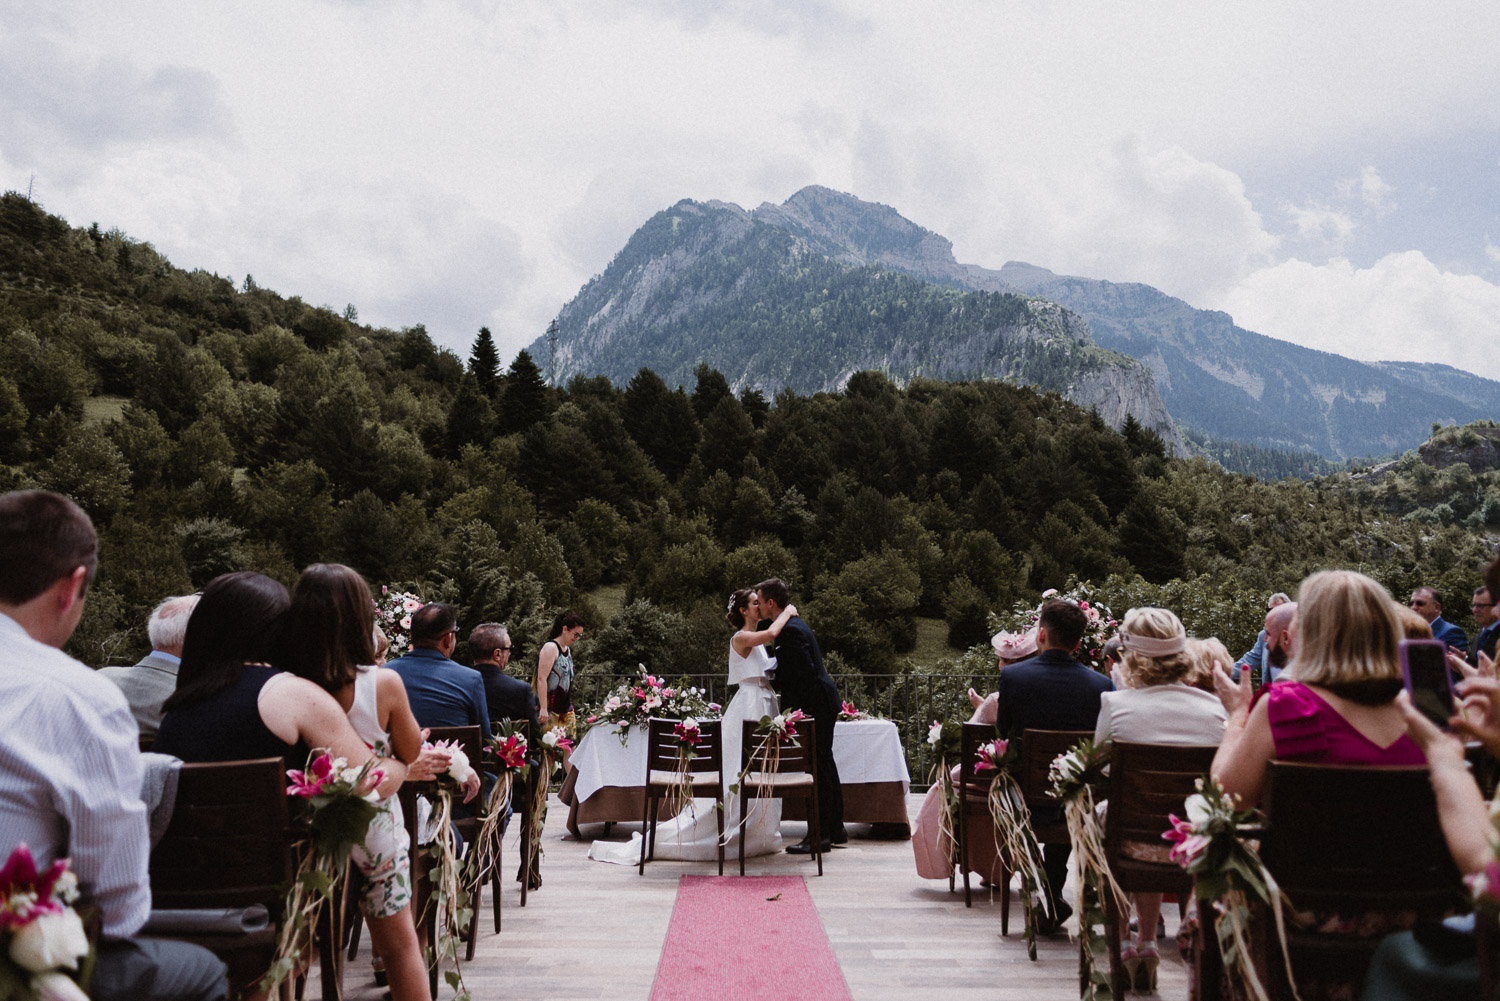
(1340, 709)
(1052, 691)
(153, 679)
(382, 647)
(329, 641)
(1255, 657)
(932, 846)
(508, 698)
(1427, 604)
(554, 674)
(1161, 705)
(1204, 653)
(70, 770)
(442, 692)
(1012, 648)
(1483, 607)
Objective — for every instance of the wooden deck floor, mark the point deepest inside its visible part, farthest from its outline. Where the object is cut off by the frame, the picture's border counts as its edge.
(596, 930)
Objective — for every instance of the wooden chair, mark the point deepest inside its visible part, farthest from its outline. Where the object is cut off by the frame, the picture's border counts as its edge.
(471, 738)
(663, 778)
(1350, 841)
(229, 845)
(1039, 748)
(1147, 782)
(793, 775)
(973, 793)
(519, 791)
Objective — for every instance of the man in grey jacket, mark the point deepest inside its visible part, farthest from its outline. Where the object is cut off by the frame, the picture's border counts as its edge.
(149, 683)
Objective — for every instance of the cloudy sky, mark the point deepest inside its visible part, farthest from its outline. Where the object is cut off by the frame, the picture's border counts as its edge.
(1328, 173)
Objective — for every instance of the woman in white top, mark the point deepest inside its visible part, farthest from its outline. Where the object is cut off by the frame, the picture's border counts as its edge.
(694, 833)
(1159, 706)
(329, 640)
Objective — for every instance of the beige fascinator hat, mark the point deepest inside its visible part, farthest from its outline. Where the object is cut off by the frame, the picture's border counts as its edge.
(1014, 646)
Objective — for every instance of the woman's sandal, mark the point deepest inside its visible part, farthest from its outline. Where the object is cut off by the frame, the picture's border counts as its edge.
(1131, 962)
(1147, 958)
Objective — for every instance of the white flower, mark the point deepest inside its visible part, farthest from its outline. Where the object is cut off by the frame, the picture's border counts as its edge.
(1049, 593)
(1197, 809)
(458, 765)
(551, 737)
(50, 941)
(934, 733)
(54, 986)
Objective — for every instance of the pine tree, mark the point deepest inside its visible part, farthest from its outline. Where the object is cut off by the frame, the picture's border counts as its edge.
(484, 363)
(527, 398)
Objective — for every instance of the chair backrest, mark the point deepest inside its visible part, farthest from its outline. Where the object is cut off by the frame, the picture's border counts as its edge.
(1356, 840)
(662, 746)
(470, 737)
(973, 735)
(799, 754)
(228, 844)
(1039, 748)
(1147, 782)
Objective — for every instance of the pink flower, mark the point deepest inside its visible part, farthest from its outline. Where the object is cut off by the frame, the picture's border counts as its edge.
(592, 719)
(311, 782)
(24, 893)
(1083, 605)
(715, 707)
(406, 622)
(667, 692)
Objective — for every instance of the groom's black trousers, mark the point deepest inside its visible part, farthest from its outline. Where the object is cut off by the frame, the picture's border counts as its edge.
(830, 792)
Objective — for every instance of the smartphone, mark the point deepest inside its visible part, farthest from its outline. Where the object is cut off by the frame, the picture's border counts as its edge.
(1424, 665)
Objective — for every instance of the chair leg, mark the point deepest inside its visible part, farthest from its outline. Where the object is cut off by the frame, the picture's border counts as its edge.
(963, 845)
(646, 827)
(525, 858)
(655, 819)
(744, 808)
(356, 923)
(815, 829)
(495, 887)
(476, 900)
(720, 815)
(1112, 937)
(330, 945)
(1004, 900)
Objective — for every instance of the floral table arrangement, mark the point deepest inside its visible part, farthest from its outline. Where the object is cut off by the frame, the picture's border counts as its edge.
(632, 703)
(1101, 622)
(393, 611)
(41, 935)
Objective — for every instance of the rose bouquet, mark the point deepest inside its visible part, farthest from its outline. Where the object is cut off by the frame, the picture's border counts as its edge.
(42, 935)
(632, 703)
(342, 803)
(393, 611)
(1101, 622)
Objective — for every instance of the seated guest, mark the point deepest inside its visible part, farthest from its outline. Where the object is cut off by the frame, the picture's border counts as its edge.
(330, 642)
(1205, 653)
(1340, 710)
(1160, 706)
(508, 698)
(1427, 604)
(1052, 691)
(1483, 607)
(71, 779)
(1012, 648)
(151, 681)
(933, 846)
(442, 692)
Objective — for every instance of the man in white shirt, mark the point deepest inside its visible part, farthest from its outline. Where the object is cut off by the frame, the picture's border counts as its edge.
(70, 770)
(152, 681)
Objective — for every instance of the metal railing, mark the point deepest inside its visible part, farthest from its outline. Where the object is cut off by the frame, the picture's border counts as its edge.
(911, 701)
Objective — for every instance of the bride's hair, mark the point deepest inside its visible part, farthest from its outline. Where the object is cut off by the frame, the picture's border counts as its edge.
(738, 601)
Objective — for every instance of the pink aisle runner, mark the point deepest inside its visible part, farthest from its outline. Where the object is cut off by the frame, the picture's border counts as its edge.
(750, 938)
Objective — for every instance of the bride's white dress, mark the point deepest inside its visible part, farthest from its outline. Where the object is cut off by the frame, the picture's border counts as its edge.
(694, 833)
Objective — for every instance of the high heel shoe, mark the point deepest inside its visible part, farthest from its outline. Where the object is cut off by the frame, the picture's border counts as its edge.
(1130, 960)
(1143, 977)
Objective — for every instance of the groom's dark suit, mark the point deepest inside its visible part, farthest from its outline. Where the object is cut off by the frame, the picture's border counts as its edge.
(803, 684)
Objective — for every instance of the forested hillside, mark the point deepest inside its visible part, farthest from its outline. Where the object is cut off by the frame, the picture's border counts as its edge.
(210, 425)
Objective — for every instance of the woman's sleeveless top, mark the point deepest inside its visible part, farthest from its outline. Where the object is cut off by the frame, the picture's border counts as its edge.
(560, 681)
(749, 670)
(364, 714)
(1306, 728)
(227, 726)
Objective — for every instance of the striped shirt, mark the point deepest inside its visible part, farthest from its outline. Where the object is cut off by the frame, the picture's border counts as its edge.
(70, 776)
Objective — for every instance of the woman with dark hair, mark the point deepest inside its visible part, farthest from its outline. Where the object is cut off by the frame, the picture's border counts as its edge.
(232, 705)
(329, 640)
(694, 833)
(554, 674)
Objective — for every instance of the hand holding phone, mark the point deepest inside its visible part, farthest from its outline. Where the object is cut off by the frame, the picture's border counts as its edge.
(1424, 668)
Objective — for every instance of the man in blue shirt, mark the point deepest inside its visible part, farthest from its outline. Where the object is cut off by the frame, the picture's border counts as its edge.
(442, 692)
(1425, 602)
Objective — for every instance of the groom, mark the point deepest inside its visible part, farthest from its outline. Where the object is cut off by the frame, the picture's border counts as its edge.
(803, 684)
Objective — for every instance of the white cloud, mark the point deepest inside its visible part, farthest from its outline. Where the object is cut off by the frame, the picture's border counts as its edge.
(1491, 251)
(1401, 308)
(1320, 225)
(1375, 193)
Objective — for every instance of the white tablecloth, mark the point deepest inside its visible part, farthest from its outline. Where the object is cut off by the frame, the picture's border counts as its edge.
(866, 750)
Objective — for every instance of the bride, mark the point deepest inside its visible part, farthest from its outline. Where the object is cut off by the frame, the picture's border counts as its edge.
(694, 833)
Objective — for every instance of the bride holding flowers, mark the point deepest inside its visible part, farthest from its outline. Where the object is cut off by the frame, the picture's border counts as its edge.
(694, 833)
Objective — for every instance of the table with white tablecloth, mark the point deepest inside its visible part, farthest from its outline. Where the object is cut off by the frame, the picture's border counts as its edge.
(604, 778)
